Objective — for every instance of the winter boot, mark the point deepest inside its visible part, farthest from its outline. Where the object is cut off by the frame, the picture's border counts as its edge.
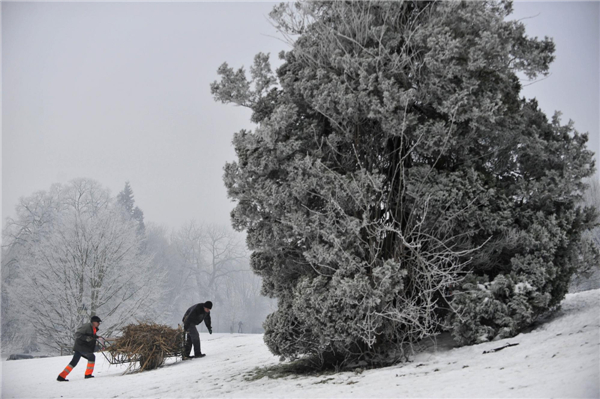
(89, 370)
(62, 376)
(200, 355)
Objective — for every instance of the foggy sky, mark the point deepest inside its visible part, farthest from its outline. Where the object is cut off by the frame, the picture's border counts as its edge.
(120, 92)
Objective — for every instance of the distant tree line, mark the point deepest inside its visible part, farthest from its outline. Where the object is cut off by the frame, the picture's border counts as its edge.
(75, 251)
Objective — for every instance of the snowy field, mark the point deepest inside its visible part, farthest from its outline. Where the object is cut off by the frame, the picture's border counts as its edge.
(557, 359)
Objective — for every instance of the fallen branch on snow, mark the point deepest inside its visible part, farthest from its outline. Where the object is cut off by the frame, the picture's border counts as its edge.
(499, 349)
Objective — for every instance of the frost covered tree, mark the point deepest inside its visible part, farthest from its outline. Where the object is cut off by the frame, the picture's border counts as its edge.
(175, 295)
(71, 253)
(397, 184)
(244, 301)
(126, 200)
(209, 254)
(587, 275)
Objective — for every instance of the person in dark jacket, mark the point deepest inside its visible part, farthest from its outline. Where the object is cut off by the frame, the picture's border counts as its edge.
(85, 344)
(193, 316)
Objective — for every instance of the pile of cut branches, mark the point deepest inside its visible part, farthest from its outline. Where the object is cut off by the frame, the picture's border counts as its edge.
(146, 344)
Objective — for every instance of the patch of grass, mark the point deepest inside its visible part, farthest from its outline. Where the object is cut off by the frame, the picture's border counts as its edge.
(293, 369)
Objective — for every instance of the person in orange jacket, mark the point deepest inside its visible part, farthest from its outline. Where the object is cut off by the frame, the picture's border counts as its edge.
(85, 344)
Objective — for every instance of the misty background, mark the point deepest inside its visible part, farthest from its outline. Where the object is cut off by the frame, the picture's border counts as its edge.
(119, 92)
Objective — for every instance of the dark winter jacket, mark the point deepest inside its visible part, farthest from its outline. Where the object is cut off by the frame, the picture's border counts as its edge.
(85, 339)
(195, 315)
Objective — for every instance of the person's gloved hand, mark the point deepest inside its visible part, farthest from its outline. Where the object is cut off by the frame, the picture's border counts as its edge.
(210, 330)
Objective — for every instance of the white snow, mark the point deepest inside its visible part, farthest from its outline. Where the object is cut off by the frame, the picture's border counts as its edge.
(557, 359)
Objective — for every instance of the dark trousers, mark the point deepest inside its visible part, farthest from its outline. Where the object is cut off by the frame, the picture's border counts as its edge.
(78, 355)
(193, 338)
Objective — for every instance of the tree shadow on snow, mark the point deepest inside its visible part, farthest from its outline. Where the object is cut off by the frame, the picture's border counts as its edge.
(295, 369)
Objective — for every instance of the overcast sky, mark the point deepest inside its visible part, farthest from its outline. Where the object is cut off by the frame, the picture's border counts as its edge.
(120, 92)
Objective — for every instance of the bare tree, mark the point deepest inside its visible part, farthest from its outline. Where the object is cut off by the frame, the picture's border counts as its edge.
(244, 301)
(210, 255)
(72, 255)
(187, 242)
(177, 292)
(587, 276)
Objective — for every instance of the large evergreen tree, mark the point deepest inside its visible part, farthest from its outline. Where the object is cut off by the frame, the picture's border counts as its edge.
(397, 184)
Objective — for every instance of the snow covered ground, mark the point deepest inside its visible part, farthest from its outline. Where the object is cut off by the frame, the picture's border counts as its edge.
(560, 358)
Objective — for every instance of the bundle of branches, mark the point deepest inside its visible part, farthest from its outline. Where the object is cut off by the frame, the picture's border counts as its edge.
(147, 344)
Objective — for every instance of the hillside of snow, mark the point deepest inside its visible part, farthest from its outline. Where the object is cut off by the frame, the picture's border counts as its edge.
(560, 358)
